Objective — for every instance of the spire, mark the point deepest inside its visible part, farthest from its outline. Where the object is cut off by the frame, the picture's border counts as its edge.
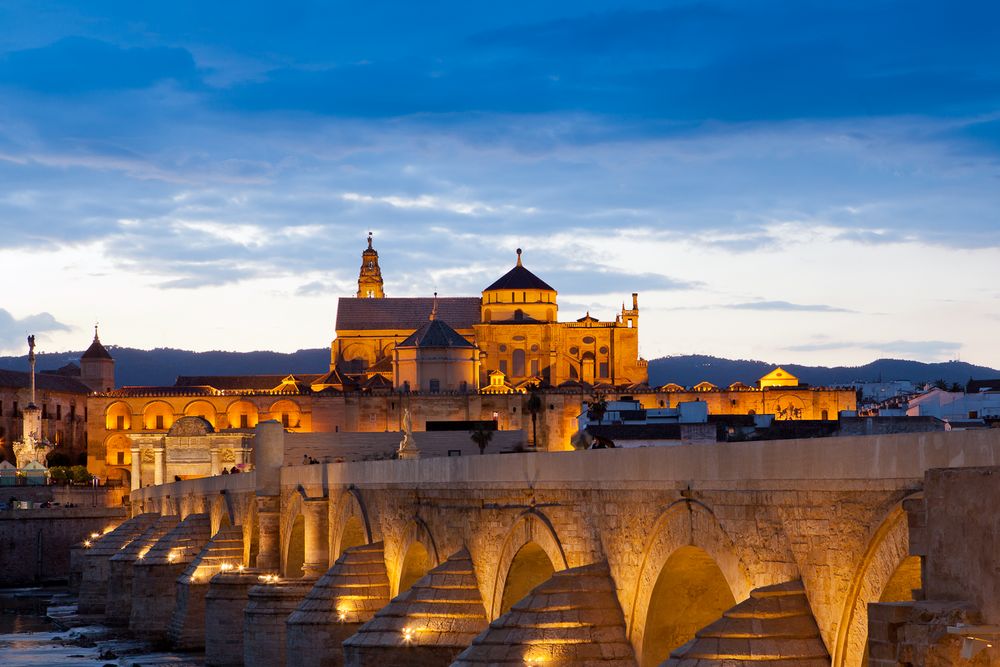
(434, 308)
(370, 275)
(519, 257)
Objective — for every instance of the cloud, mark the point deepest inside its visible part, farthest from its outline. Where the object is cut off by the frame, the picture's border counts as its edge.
(435, 203)
(924, 348)
(14, 331)
(787, 306)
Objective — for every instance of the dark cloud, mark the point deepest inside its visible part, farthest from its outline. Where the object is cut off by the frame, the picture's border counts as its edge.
(787, 306)
(14, 331)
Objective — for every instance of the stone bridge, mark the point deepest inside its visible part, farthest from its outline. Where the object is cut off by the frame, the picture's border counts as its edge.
(690, 555)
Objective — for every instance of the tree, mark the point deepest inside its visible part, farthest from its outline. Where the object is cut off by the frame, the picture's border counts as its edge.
(598, 406)
(534, 406)
(481, 437)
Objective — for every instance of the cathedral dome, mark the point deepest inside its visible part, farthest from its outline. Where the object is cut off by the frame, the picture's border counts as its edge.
(519, 278)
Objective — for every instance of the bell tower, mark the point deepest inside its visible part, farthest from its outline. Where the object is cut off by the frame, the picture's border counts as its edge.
(370, 278)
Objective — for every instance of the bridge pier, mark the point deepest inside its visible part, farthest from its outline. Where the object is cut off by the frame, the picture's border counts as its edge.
(118, 606)
(187, 625)
(573, 618)
(346, 596)
(429, 624)
(268, 607)
(316, 534)
(95, 562)
(225, 602)
(154, 584)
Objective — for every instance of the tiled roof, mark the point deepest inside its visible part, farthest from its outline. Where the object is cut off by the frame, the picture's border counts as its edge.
(519, 278)
(405, 313)
(227, 382)
(43, 381)
(96, 350)
(435, 333)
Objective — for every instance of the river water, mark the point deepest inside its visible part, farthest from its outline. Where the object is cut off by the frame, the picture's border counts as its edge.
(39, 628)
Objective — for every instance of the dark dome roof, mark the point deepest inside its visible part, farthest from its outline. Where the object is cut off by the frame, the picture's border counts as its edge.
(519, 278)
(435, 333)
(96, 350)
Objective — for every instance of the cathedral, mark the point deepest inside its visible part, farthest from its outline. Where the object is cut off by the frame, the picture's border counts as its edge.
(507, 339)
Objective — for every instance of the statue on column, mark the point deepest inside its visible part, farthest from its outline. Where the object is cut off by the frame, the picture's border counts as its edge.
(408, 446)
(31, 446)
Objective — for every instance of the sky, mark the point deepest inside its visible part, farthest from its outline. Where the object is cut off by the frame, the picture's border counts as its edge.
(805, 182)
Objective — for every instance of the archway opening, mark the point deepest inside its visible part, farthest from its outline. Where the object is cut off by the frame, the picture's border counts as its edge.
(353, 535)
(416, 564)
(903, 581)
(690, 593)
(251, 539)
(530, 567)
(296, 549)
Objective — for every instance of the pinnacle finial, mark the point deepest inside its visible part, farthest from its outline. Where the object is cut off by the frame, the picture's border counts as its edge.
(369, 239)
(434, 308)
(95, 331)
(519, 257)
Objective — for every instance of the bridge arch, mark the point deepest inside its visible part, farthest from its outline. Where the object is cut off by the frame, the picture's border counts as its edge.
(349, 525)
(686, 536)
(529, 538)
(886, 561)
(293, 538)
(418, 553)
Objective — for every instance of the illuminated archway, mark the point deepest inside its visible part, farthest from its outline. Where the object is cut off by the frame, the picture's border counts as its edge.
(157, 416)
(685, 523)
(416, 556)
(531, 566)
(118, 450)
(690, 593)
(118, 417)
(887, 551)
(295, 554)
(416, 563)
(287, 413)
(349, 526)
(531, 527)
(204, 409)
(241, 414)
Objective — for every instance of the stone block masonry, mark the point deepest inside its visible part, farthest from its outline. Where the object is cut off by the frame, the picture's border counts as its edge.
(227, 597)
(118, 605)
(269, 606)
(154, 577)
(35, 544)
(346, 596)
(95, 561)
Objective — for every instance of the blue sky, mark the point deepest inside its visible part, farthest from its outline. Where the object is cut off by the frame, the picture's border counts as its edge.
(787, 181)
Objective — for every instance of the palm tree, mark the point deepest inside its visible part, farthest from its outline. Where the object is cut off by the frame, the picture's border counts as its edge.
(534, 406)
(481, 437)
(598, 407)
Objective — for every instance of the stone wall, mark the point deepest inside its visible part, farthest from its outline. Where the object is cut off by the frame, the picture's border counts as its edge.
(35, 544)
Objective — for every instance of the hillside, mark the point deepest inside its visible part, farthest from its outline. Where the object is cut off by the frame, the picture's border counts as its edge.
(688, 370)
(162, 365)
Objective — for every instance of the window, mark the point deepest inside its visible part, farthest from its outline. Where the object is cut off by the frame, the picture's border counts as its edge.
(244, 421)
(973, 414)
(120, 458)
(503, 366)
(1, 408)
(534, 367)
(72, 412)
(58, 411)
(284, 419)
(120, 423)
(45, 411)
(518, 358)
(824, 415)
(159, 422)
(604, 369)
(524, 297)
(463, 386)
(435, 385)
(15, 408)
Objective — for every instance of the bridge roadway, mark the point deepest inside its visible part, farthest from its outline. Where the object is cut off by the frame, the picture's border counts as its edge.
(603, 557)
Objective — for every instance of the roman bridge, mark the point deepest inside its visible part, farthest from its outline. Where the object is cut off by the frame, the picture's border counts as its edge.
(763, 550)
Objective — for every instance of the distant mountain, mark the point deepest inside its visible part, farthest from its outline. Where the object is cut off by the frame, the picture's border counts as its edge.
(691, 369)
(162, 365)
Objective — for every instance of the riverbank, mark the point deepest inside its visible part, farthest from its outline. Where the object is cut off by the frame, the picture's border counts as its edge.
(39, 627)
